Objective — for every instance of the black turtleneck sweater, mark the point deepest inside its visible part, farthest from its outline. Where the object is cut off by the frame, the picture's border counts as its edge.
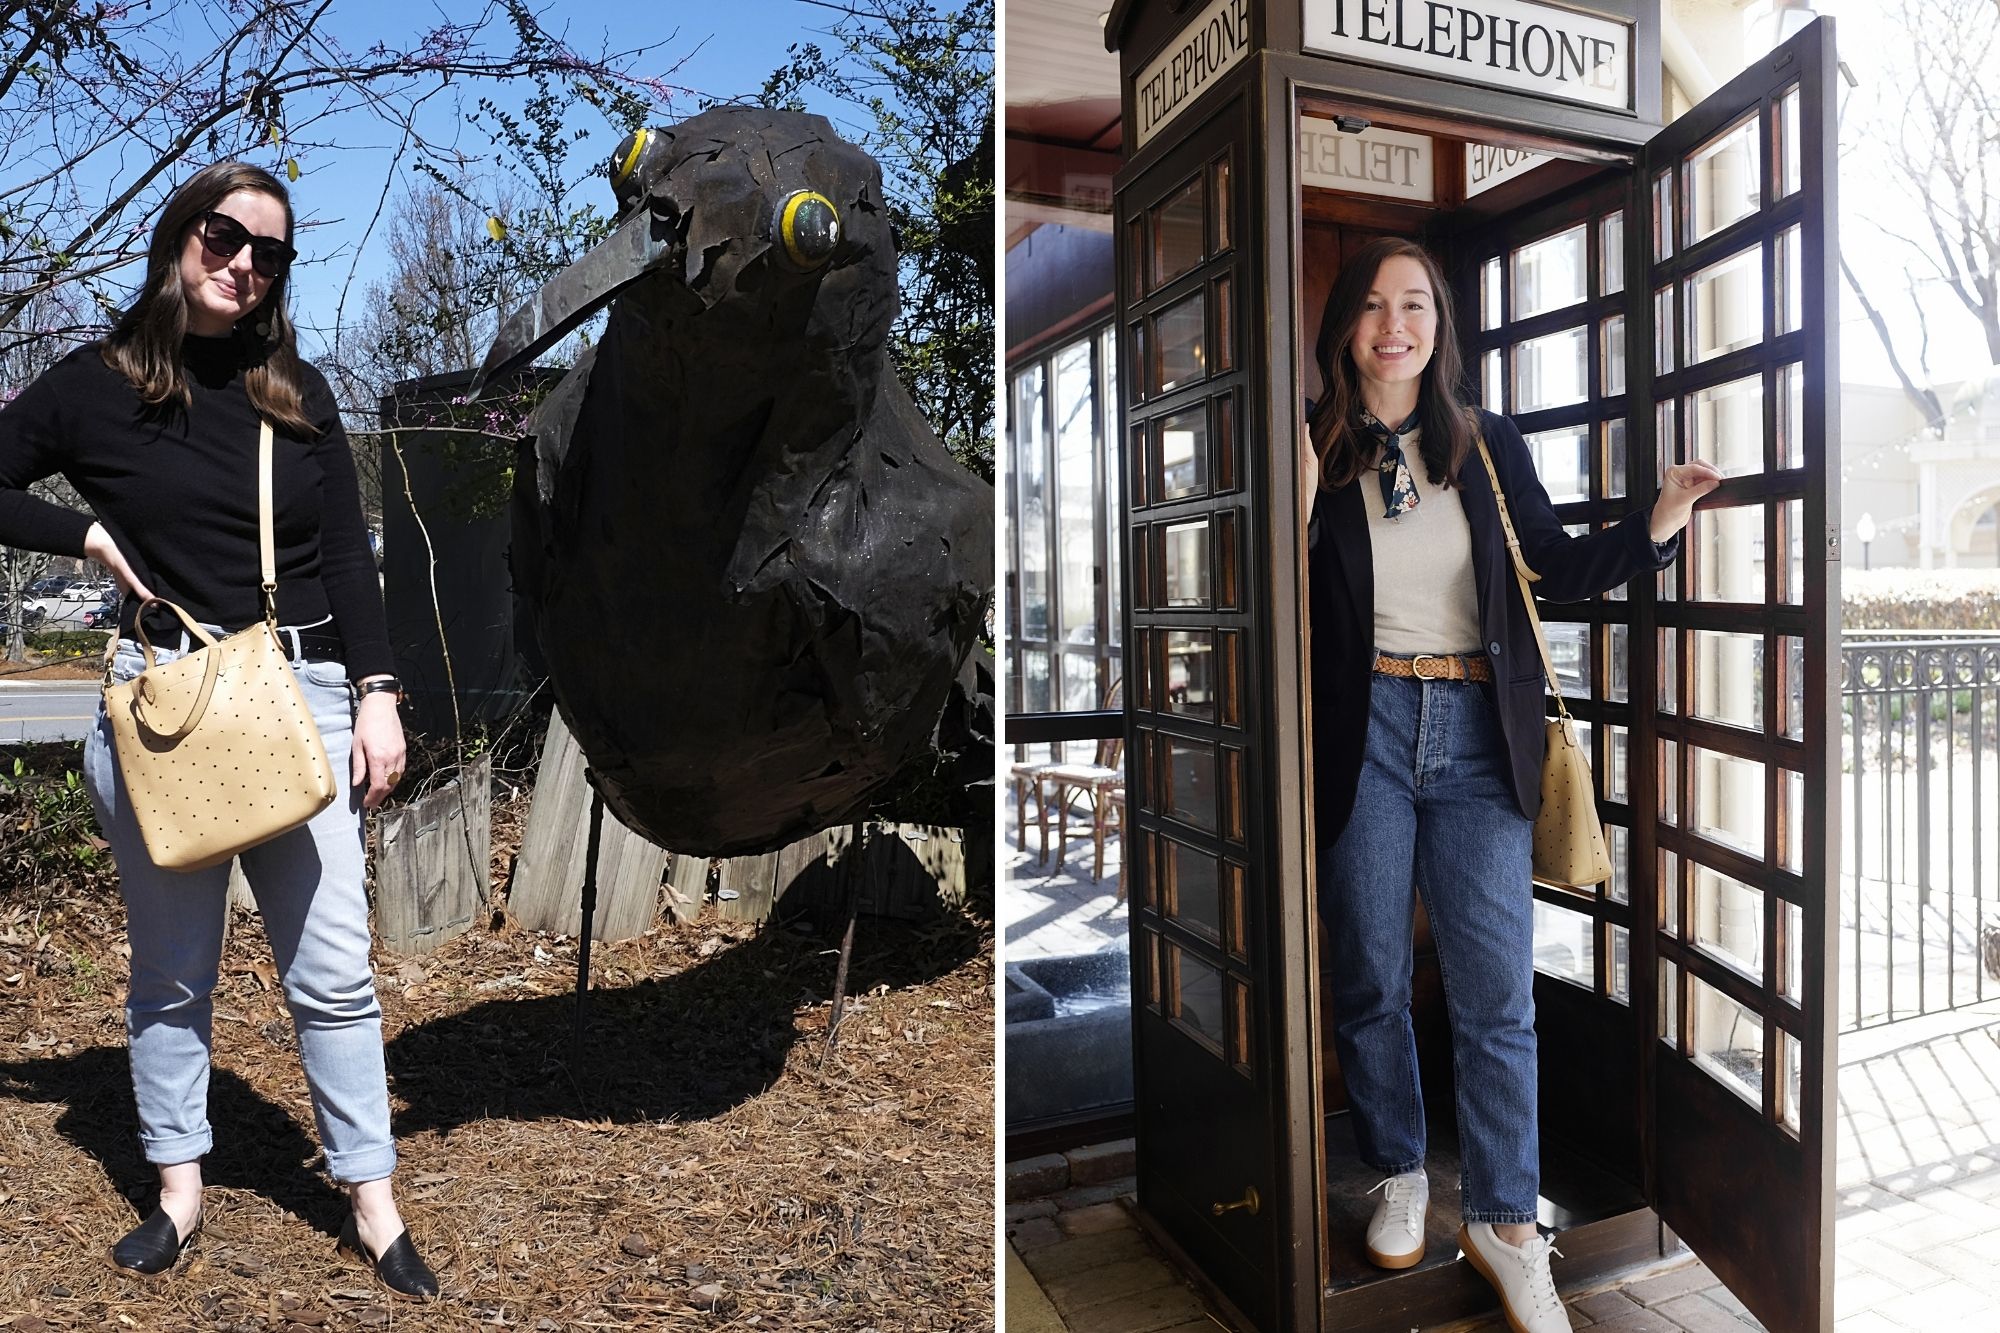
(177, 491)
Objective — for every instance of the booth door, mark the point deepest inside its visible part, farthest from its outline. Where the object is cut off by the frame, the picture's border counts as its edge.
(1209, 1062)
(1738, 248)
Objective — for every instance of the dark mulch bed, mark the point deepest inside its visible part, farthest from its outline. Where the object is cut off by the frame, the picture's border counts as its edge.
(690, 1164)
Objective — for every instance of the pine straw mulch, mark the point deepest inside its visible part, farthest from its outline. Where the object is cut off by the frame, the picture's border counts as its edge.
(690, 1165)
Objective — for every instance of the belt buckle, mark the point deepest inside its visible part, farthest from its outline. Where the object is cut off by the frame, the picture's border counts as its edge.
(1417, 666)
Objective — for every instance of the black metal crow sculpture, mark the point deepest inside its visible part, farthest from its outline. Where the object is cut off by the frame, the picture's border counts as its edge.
(753, 572)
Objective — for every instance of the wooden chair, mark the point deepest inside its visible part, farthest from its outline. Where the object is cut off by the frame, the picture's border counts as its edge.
(1095, 780)
(1030, 777)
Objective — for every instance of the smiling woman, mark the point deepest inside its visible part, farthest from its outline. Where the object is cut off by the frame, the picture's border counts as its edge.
(222, 488)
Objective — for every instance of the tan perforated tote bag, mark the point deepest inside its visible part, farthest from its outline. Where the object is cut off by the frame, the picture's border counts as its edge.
(1569, 839)
(217, 750)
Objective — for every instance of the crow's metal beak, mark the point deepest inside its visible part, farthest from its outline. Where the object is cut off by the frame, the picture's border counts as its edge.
(640, 244)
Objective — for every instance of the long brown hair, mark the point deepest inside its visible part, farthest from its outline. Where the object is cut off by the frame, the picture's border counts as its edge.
(145, 347)
(1446, 420)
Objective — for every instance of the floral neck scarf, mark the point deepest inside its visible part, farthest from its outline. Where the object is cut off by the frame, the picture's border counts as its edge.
(1399, 488)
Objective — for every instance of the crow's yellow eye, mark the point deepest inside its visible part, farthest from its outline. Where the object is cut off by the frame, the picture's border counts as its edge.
(809, 225)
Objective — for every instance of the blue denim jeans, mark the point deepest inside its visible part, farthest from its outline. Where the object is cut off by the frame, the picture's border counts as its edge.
(1435, 813)
(311, 891)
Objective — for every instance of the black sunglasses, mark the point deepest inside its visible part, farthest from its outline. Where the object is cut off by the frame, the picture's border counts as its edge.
(224, 237)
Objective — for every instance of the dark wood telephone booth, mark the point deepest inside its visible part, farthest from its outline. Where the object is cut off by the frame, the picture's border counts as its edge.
(1626, 294)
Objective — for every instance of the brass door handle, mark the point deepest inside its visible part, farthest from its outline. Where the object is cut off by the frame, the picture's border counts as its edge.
(1249, 1202)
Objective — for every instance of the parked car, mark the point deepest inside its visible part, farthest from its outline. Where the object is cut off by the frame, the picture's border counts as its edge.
(66, 608)
(104, 615)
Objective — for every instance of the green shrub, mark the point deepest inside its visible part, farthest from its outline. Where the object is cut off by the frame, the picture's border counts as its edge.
(63, 644)
(1921, 599)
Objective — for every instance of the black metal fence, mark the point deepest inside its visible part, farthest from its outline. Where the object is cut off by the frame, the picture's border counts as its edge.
(1920, 790)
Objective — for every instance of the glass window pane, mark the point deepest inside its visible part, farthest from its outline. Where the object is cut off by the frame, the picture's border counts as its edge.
(1551, 371)
(1182, 453)
(1670, 782)
(1197, 898)
(1612, 340)
(1550, 273)
(1788, 311)
(1186, 563)
(1670, 893)
(1178, 352)
(1669, 696)
(1080, 691)
(1729, 554)
(1728, 799)
(1728, 1042)
(1177, 233)
(1664, 342)
(1611, 244)
(1562, 461)
(1725, 305)
(1114, 466)
(1035, 680)
(1618, 843)
(1077, 509)
(1726, 426)
(1788, 142)
(1616, 777)
(1135, 238)
(1612, 470)
(1670, 1003)
(1225, 333)
(1618, 666)
(1220, 204)
(1792, 943)
(1663, 215)
(1191, 782)
(1789, 1077)
(1197, 997)
(1491, 314)
(1791, 416)
(1563, 945)
(1723, 178)
(1728, 671)
(1569, 653)
(1729, 920)
(1489, 381)
(1792, 533)
(1224, 449)
(1619, 969)
(1792, 793)
(1031, 448)
(1792, 686)
(1190, 674)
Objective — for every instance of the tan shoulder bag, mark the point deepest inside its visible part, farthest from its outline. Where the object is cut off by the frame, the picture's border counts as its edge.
(1569, 837)
(218, 750)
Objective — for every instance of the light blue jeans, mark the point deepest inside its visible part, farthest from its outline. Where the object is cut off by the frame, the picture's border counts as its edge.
(1435, 813)
(311, 890)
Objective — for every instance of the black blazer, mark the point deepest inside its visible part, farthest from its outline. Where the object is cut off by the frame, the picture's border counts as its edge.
(1341, 611)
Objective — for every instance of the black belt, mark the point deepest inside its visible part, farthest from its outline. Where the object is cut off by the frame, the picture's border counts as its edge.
(313, 644)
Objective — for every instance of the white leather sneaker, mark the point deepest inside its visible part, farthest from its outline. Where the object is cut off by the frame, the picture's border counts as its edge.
(1396, 1232)
(1520, 1273)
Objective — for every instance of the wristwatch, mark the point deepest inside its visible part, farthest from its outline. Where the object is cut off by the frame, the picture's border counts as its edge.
(382, 685)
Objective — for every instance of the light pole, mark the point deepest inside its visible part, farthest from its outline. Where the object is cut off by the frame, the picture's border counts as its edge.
(1864, 530)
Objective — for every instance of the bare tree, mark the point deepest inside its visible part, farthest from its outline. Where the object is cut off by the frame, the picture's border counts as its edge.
(1934, 119)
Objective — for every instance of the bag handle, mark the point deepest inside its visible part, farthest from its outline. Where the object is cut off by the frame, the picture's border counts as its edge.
(143, 695)
(1526, 576)
(265, 547)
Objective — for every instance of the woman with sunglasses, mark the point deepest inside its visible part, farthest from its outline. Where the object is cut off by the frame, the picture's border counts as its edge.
(1427, 748)
(157, 428)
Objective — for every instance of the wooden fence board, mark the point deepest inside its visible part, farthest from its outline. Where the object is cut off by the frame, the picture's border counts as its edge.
(431, 863)
(687, 887)
(547, 890)
(748, 887)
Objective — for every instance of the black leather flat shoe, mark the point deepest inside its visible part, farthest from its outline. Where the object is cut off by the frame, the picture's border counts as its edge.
(154, 1246)
(399, 1267)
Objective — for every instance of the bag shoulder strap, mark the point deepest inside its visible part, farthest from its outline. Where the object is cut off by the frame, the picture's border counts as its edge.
(265, 545)
(1524, 575)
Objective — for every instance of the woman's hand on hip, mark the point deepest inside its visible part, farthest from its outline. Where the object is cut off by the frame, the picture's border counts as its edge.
(1684, 484)
(97, 545)
(379, 750)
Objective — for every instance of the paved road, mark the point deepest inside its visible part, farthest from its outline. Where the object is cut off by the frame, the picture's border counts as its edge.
(57, 713)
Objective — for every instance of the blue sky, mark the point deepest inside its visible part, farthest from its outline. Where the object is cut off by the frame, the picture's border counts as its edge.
(718, 51)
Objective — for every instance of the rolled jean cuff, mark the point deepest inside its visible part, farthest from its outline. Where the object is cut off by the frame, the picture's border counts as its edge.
(1404, 1170)
(174, 1149)
(1500, 1219)
(353, 1168)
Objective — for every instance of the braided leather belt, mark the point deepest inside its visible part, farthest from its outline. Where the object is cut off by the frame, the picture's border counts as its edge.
(1426, 666)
